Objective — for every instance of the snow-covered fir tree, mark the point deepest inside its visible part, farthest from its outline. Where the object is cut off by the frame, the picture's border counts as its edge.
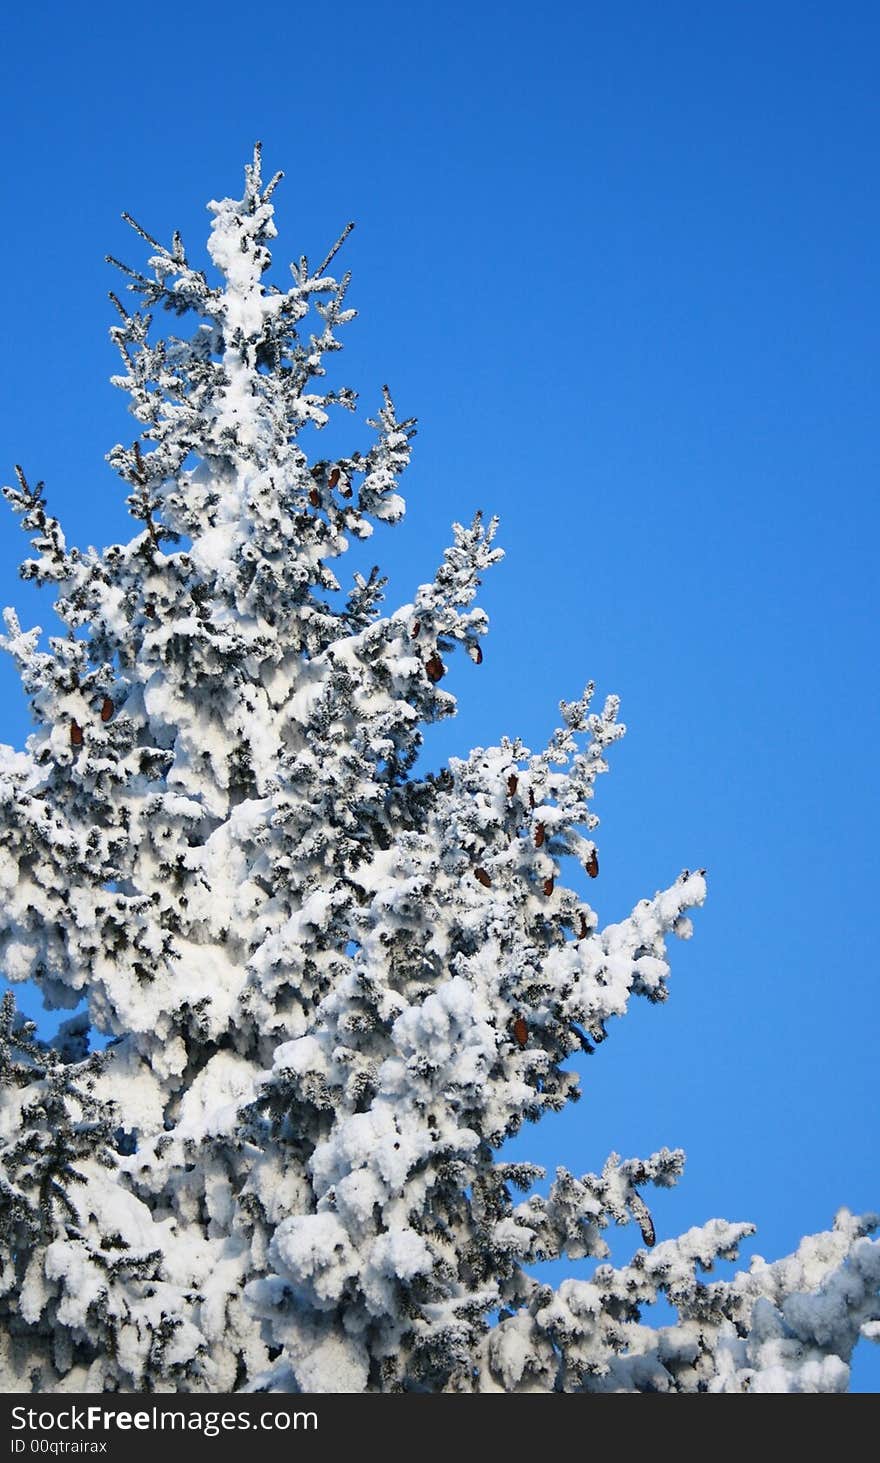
(328, 985)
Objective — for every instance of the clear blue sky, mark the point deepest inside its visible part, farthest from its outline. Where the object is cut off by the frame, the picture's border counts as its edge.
(621, 260)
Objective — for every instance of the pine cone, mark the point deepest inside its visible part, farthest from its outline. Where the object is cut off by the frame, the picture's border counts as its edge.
(593, 865)
(435, 668)
(482, 877)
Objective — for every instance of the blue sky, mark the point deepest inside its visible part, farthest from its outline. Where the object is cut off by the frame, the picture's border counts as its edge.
(621, 262)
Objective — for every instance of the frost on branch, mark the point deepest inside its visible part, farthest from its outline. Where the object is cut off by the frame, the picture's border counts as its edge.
(330, 985)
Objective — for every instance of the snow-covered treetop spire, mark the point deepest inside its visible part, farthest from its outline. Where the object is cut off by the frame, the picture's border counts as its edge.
(238, 393)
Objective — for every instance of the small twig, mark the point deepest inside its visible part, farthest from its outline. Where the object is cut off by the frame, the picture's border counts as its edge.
(132, 273)
(335, 250)
(140, 474)
(133, 223)
(272, 184)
